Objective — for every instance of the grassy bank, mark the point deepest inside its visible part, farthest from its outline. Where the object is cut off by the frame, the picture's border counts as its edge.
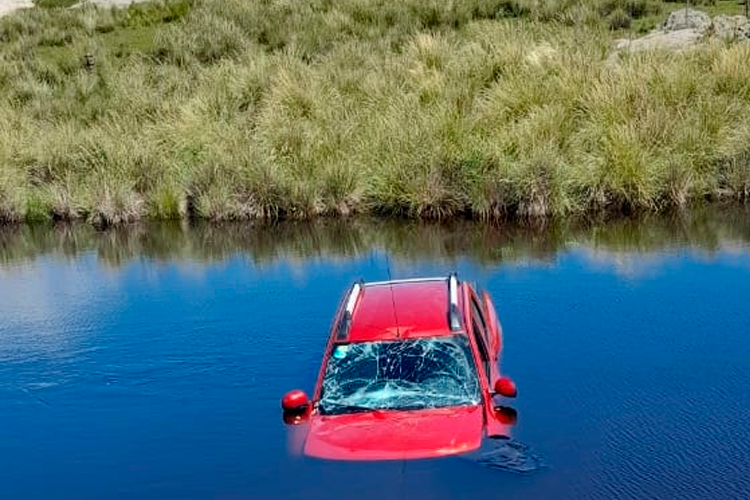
(240, 109)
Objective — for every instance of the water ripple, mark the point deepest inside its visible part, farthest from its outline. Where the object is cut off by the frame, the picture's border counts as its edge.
(511, 456)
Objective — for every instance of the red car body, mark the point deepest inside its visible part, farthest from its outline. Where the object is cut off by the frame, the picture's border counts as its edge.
(398, 311)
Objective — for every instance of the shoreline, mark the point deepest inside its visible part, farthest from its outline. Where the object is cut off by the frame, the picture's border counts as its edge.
(728, 207)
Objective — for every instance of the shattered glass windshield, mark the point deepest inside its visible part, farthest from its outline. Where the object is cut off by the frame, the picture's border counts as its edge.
(405, 374)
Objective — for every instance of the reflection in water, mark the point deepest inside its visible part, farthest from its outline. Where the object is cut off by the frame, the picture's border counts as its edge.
(507, 415)
(707, 230)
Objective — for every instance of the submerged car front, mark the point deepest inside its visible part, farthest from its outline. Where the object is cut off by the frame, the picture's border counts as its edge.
(397, 399)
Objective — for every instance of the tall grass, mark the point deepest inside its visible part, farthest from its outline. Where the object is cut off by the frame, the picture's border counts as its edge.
(254, 109)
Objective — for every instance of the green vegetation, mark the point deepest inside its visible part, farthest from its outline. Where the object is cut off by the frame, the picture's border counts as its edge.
(234, 109)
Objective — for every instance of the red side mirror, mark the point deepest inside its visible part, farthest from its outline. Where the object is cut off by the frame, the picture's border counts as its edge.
(504, 386)
(295, 400)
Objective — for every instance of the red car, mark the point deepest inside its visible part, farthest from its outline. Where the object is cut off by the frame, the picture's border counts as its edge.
(410, 371)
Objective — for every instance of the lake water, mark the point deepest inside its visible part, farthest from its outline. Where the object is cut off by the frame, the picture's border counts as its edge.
(149, 362)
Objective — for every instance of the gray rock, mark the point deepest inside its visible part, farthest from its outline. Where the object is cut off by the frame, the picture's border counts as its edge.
(685, 30)
(8, 6)
(731, 28)
(670, 40)
(687, 19)
(106, 3)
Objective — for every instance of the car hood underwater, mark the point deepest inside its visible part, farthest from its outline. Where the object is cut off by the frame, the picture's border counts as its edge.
(395, 435)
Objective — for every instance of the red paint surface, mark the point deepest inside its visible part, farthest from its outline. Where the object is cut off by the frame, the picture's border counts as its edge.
(393, 435)
(421, 309)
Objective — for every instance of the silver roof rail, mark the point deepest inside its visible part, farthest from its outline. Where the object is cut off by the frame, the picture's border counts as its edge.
(454, 317)
(404, 280)
(345, 323)
(353, 296)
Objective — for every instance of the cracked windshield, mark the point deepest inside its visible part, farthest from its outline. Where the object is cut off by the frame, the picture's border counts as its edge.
(405, 375)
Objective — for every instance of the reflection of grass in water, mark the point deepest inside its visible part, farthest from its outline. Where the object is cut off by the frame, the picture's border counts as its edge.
(706, 229)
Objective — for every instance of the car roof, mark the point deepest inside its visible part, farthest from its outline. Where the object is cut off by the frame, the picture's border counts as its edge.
(401, 309)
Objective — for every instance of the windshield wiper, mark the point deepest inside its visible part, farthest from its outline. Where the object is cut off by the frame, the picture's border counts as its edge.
(347, 407)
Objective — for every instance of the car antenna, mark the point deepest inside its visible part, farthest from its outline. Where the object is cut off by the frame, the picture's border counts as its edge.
(393, 299)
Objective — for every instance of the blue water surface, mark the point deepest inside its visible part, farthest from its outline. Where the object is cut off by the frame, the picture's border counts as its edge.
(160, 378)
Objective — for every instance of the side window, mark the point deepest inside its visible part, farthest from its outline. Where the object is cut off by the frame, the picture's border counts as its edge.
(476, 311)
(480, 334)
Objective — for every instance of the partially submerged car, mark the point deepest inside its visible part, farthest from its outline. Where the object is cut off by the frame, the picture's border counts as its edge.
(410, 371)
